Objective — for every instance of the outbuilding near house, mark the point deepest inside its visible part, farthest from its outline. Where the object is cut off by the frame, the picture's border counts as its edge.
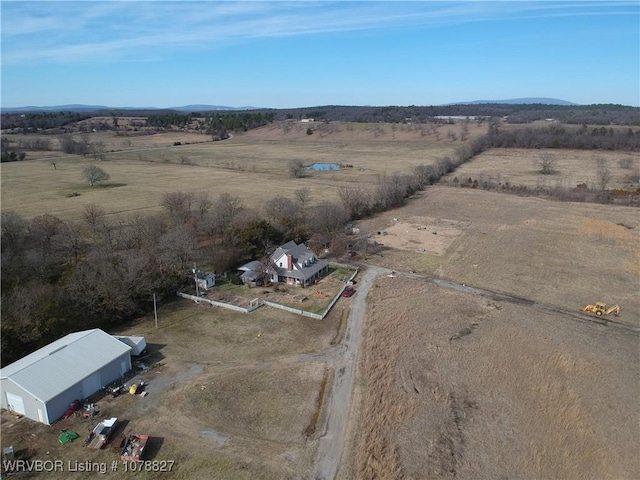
(206, 280)
(42, 385)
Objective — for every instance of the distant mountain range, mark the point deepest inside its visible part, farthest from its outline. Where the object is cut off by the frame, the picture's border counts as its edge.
(519, 101)
(95, 108)
(209, 108)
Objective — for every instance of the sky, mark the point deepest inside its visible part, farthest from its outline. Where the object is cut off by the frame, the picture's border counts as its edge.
(279, 54)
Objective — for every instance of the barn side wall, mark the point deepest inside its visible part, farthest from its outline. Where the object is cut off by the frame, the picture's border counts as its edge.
(31, 404)
(110, 372)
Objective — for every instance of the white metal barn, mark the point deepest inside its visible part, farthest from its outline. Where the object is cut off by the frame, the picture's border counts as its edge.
(43, 384)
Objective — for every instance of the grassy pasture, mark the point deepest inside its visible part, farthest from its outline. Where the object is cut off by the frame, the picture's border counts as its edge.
(253, 166)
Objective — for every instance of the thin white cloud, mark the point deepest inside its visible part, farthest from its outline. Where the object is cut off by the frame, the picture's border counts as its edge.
(84, 31)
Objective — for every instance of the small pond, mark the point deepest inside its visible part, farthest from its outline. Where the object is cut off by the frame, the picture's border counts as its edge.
(324, 166)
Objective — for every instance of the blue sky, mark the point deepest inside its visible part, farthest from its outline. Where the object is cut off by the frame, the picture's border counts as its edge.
(306, 53)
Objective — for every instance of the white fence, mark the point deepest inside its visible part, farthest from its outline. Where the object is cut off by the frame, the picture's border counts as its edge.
(297, 311)
(256, 303)
(216, 304)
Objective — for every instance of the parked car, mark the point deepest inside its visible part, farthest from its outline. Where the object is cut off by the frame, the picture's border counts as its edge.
(349, 291)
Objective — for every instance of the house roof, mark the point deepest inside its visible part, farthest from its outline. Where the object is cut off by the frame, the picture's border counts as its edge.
(304, 272)
(204, 275)
(251, 275)
(297, 251)
(54, 368)
(251, 266)
(300, 253)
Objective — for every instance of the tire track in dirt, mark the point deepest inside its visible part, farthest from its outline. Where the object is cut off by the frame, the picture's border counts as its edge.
(331, 443)
(501, 297)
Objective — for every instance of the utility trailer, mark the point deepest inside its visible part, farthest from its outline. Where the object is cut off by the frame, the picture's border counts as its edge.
(102, 433)
(134, 448)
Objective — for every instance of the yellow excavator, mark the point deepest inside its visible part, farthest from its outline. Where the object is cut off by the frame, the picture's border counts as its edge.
(600, 308)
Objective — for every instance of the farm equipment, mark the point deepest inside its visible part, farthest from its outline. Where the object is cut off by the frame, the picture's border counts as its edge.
(134, 448)
(73, 408)
(102, 433)
(115, 389)
(600, 308)
(67, 436)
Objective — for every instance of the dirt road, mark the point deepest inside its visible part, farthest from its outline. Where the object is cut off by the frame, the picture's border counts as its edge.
(331, 444)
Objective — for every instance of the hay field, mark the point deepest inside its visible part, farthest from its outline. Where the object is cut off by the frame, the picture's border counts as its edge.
(454, 386)
(518, 166)
(254, 166)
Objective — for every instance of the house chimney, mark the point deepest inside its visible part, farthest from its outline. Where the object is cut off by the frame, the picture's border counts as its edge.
(289, 261)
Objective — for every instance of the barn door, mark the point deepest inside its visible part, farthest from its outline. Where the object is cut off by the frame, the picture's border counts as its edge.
(15, 403)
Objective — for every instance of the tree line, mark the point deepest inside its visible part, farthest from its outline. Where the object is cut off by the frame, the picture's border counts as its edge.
(41, 120)
(560, 136)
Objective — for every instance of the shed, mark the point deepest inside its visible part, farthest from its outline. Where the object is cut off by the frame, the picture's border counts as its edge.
(42, 385)
(137, 344)
(206, 280)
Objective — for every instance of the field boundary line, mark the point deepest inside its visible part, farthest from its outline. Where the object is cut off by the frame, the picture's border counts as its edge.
(503, 297)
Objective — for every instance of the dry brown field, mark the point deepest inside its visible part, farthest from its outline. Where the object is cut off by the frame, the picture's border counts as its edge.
(254, 166)
(560, 253)
(518, 166)
(452, 385)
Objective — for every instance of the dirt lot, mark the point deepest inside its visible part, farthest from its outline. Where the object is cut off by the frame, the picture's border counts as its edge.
(230, 397)
(420, 234)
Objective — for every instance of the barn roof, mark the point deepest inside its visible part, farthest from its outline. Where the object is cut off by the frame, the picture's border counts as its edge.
(49, 371)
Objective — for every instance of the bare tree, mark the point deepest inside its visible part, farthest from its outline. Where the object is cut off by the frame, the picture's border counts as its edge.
(284, 214)
(464, 130)
(69, 241)
(13, 228)
(546, 163)
(355, 200)
(178, 205)
(303, 195)
(296, 169)
(204, 203)
(94, 215)
(228, 208)
(94, 174)
(328, 218)
(603, 177)
(97, 149)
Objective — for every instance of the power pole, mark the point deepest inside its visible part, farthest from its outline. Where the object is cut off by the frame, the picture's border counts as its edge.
(155, 310)
(195, 276)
